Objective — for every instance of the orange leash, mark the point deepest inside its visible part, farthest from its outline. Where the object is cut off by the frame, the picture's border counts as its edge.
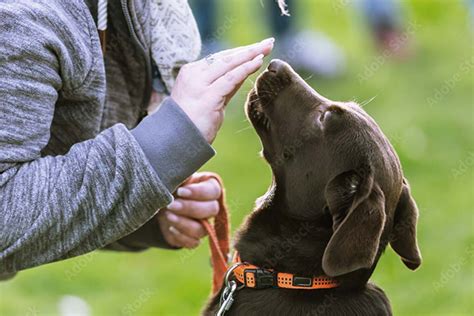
(219, 235)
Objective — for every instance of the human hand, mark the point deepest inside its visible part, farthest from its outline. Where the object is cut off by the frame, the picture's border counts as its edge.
(178, 222)
(203, 88)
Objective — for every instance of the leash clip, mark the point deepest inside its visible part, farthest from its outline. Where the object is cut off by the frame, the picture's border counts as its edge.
(227, 296)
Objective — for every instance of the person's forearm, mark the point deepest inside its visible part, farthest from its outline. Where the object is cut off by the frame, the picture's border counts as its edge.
(102, 190)
(59, 207)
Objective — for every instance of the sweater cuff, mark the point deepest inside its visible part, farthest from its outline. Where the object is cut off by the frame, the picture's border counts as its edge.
(172, 143)
(149, 235)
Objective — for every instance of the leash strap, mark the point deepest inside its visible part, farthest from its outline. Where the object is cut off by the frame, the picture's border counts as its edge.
(219, 236)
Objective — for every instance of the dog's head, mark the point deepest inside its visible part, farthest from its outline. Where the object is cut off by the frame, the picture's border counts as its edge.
(331, 157)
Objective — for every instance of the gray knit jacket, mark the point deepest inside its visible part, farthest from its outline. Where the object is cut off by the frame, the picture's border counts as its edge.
(76, 171)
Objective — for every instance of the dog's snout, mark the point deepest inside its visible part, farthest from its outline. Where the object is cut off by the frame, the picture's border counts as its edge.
(276, 66)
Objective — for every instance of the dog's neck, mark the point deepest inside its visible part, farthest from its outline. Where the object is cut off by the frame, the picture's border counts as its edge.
(272, 238)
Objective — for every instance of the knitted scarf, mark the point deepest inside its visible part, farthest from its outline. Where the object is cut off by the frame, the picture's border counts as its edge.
(175, 38)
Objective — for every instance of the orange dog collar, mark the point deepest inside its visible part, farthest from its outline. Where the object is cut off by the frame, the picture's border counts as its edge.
(257, 278)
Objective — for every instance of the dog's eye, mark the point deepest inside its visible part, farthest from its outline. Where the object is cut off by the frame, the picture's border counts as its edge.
(353, 184)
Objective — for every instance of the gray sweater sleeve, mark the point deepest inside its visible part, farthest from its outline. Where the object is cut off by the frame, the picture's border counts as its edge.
(103, 189)
(175, 149)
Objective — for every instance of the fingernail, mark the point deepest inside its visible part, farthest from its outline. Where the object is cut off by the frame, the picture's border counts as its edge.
(269, 40)
(173, 230)
(171, 217)
(175, 205)
(184, 192)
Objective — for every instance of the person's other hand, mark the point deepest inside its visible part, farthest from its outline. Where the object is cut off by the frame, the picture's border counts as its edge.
(178, 222)
(203, 88)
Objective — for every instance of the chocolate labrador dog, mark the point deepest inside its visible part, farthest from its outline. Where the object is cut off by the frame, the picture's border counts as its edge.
(337, 198)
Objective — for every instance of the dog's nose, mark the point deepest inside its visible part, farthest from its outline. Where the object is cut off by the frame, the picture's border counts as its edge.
(276, 65)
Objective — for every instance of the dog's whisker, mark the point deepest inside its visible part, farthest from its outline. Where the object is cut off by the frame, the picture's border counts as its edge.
(243, 129)
(309, 77)
(362, 104)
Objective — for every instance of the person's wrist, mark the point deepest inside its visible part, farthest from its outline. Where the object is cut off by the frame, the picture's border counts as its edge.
(172, 143)
(200, 120)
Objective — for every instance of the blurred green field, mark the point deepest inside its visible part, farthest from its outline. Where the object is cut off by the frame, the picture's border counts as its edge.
(424, 104)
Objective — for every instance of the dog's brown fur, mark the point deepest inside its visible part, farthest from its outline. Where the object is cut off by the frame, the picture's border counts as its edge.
(338, 197)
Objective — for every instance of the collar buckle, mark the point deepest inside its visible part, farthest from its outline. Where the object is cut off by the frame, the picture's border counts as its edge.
(260, 278)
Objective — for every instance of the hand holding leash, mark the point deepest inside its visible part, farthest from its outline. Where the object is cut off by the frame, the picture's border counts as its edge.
(196, 199)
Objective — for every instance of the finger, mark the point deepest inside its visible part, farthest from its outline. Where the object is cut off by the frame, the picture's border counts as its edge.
(181, 240)
(194, 209)
(225, 64)
(165, 229)
(231, 95)
(186, 226)
(240, 48)
(202, 191)
(228, 83)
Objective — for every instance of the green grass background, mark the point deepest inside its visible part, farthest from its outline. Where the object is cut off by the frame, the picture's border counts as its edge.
(435, 144)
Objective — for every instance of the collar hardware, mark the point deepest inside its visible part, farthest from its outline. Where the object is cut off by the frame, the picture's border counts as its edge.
(302, 281)
(258, 278)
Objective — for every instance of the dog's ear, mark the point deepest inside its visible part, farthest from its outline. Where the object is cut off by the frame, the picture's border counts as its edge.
(357, 206)
(403, 238)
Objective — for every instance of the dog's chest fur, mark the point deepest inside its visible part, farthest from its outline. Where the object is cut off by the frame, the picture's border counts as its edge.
(272, 240)
(269, 239)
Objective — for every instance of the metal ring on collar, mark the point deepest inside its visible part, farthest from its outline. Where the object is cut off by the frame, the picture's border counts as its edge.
(229, 273)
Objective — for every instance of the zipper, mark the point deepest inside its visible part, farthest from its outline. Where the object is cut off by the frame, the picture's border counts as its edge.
(147, 57)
